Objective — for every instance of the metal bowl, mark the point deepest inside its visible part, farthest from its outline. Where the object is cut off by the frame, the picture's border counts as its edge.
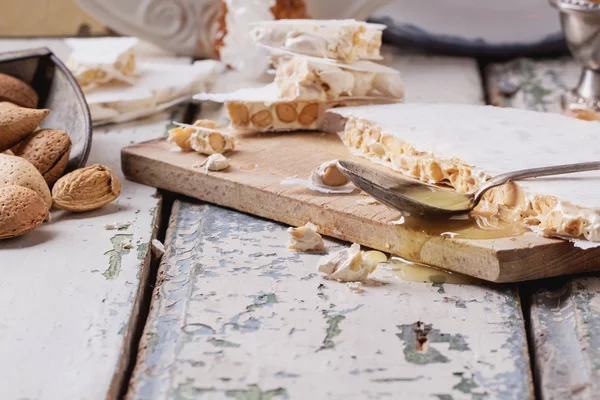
(59, 92)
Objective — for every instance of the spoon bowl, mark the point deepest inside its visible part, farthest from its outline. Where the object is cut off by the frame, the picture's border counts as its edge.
(418, 198)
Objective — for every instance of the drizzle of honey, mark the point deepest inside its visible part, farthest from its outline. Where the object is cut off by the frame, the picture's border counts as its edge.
(436, 197)
(472, 226)
(247, 167)
(418, 272)
(376, 256)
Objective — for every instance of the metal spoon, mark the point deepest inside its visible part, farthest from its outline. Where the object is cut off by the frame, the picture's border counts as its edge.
(421, 199)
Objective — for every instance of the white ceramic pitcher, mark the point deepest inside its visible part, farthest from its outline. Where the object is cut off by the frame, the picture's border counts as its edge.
(187, 27)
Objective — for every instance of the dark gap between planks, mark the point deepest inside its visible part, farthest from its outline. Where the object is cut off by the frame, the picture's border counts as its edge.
(145, 297)
(147, 288)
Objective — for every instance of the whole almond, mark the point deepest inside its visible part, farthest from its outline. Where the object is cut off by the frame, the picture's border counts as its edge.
(16, 91)
(48, 150)
(18, 171)
(16, 123)
(21, 210)
(86, 189)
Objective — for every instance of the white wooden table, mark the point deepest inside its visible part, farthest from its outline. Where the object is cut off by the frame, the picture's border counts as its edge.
(230, 312)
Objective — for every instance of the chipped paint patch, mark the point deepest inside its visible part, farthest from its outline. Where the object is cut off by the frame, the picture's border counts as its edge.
(222, 343)
(333, 330)
(396, 379)
(467, 385)
(255, 393)
(198, 329)
(283, 374)
(440, 287)
(187, 391)
(333, 325)
(116, 254)
(443, 396)
(320, 292)
(262, 300)
(142, 251)
(249, 325)
(416, 343)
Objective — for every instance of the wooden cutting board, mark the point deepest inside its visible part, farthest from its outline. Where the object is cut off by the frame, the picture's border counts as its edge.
(253, 184)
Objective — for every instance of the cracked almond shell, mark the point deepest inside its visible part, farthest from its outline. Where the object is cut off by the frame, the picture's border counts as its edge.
(21, 211)
(18, 92)
(16, 123)
(86, 189)
(18, 171)
(48, 150)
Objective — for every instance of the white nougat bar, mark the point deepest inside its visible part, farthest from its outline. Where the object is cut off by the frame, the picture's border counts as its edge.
(344, 40)
(264, 110)
(291, 115)
(98, 61)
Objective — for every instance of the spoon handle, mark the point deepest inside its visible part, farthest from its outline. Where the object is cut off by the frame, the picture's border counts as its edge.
(534, 173)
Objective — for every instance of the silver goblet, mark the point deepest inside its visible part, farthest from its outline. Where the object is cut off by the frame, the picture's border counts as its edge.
(580, 21)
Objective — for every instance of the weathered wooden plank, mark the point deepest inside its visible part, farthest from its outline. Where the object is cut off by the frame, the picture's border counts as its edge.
(530, 84)
(69, 290)
(235, 313)
(564, 313)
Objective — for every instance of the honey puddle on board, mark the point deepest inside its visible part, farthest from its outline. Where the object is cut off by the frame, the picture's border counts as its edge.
(472, 227)
(475, 227)
(247, 167)
(417, 272)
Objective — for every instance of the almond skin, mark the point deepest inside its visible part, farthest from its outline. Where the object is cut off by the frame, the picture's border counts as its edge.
(48, 150)
(86, 189)
(16, 123)
(18, 171)
(16, 91)
(21, 211)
